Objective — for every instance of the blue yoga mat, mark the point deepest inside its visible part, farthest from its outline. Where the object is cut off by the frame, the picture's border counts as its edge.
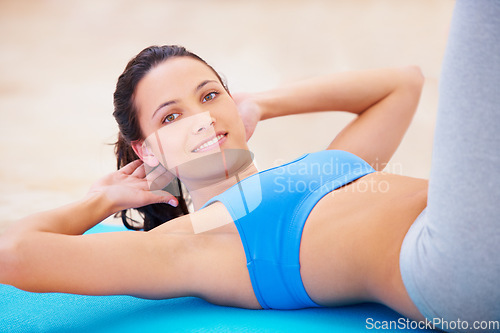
(22, 311)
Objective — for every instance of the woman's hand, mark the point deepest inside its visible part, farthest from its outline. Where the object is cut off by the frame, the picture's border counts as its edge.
(249, 110)
(129, 188)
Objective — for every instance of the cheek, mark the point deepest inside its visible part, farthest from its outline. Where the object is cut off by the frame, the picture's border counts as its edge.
(167, 145)
(238, 128)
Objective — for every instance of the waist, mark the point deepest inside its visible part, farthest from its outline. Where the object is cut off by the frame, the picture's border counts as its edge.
(352, 237)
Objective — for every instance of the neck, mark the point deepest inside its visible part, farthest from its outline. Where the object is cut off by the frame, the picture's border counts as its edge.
(222, 171)
(202, 194)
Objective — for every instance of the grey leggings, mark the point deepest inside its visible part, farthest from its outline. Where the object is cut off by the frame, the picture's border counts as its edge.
(450, 258)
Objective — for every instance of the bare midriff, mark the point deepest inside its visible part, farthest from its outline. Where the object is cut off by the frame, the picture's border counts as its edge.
(352, 239)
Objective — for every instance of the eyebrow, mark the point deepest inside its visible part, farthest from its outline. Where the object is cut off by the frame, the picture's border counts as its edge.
(198, 87)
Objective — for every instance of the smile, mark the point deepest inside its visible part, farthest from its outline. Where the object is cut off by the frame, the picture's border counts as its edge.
(210, 144)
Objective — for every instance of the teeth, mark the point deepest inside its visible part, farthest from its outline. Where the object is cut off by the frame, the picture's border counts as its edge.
(209, 143)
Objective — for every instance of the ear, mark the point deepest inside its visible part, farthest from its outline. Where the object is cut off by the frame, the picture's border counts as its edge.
(145, 154)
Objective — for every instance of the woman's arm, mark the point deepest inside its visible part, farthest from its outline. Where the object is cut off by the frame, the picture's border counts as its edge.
(142, 264)
(46, 252)
(122, 189)
(384, 100)
(156, 264)
(71, 219)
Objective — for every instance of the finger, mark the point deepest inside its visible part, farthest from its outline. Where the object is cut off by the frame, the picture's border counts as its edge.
(130, 168)
(140, 172)
(161, 197)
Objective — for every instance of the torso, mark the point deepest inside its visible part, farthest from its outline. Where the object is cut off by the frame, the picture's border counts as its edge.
(352, 239)
(349, 250)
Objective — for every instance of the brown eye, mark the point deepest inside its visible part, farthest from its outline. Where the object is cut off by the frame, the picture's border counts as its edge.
(171, 117)
(210, 96)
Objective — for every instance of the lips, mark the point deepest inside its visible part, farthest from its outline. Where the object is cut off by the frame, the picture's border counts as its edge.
(210, 143)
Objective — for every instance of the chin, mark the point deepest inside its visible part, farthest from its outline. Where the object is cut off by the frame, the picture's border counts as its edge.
(213, 166)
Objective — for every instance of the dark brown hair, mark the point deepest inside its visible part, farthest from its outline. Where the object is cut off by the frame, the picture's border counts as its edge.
(125, 114)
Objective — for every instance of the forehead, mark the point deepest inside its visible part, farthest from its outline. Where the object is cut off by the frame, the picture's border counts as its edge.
(175, 76)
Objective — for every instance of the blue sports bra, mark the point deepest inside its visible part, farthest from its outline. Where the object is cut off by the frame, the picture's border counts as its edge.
(270, 209)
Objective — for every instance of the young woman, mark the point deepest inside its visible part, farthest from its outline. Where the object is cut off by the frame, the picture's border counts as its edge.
(326, 229)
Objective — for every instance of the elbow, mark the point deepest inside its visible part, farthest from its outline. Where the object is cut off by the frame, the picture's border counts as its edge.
(413, 78)
(410, 87)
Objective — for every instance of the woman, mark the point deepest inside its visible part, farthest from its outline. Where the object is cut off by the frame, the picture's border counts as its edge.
(359, 234)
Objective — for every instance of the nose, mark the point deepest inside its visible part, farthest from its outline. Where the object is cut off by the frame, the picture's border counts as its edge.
(203, 124)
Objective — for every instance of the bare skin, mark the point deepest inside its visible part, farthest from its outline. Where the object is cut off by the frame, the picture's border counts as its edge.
(359, 234)
(351, 241)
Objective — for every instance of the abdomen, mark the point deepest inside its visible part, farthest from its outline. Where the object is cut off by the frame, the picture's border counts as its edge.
(353, 235)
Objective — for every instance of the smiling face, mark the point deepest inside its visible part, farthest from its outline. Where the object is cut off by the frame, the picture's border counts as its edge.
(188, 120)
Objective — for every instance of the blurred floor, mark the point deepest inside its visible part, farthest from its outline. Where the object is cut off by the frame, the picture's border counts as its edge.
(59, 61)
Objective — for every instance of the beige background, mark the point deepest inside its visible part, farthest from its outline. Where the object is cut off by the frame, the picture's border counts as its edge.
(59, 61)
